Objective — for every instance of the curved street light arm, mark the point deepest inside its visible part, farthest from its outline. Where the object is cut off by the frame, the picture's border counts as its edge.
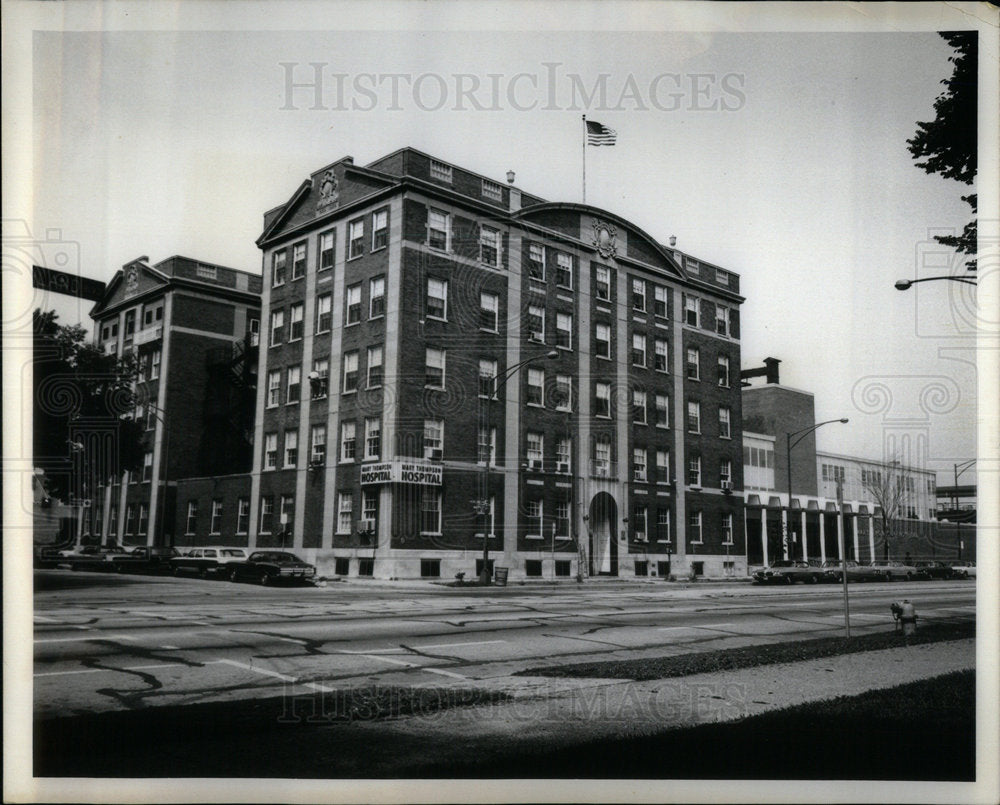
(904, 285)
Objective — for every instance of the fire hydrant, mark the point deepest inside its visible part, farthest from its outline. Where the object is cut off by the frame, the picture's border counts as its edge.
(905, 615)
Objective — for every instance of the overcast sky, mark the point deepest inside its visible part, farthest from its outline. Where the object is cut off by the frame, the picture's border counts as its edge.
(781, 156)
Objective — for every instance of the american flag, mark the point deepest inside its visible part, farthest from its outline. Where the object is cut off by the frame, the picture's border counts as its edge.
(599, 134)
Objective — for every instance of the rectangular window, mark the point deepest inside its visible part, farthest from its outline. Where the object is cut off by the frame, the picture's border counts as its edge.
(638, 349)
(639, 517)
(130, 519)
(324, 313)
(724, 423)
(724, 371)
(488, 311)
(350, 371)
(353, 299)
(662, 411)
(191, 523)
(492, 191)
(602, 282)
(534, 516)
(293, 390)
(317, 444)
(348, 443)
(562, 523)
(291, 448)
(660, 356)
(369, 507)
(374, 367)
(298, 261)
(693, 363)
(660, 301)
(638, 295)
(270, 451)
(113, 520)
(564, 330)
(431, 568)
(147, 466)
(721, 320)
(564, 270)
(440, 171)
(380, 229)
(536, 450)
(694, 416)
(373, 437)
(430, 510)
(536, 323)
(663, 466)
(319, 378)
(242, 515)
(602, 401)
(154, 364)
(376, 297)
(433, 439)
(356, 238)
(266, 514)
(326, 245)
(277, 327)
(692, 310)
(602, 458)
(215, 527)
(663, 525)
(286, 514)
(487, 373)
(438, 230)
(694, 527)
(143, 518)
(563, 393)
(489, 246)
(278, 260)
(434, 368)
(564, 455)
(639, 407)
(602, 337)
(536, 386)
(727, 529)
(694, 471)
(254, 332)
(725, 474)
(345, 512)
(295, 320)
(536, 262)
(487, 448)
(437, 299)
(639, 464)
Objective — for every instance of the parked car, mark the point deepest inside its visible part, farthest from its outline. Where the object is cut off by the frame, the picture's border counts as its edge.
(894, 570)
(789, 571)
(91, 557)
(270, 567)
(963, 570)
(145, 559)
(934, 570)
(210, 561)
(833, 571)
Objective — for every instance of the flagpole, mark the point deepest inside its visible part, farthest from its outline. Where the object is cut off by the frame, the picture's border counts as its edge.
(584, 158)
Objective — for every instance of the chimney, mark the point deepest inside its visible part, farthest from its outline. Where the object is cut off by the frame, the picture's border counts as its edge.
(771, 367)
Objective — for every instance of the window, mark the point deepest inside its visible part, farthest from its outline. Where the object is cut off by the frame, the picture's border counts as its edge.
(660, 356)
(190, 524)
(694, 471)
(366, 566)
(277, 327)
(639, 464)
(437, 298)
(721, 320)
(602, 458)
(298, 261)
(154, 364)
(141, 366)
(113, 520)
(147, 466)
(564, 455)
(431, 568)
(254, 332)
(215, 525)
(602, 335)
(536, 450)
(693, 363)
(492, 191)
(724, 371)
(440, 171)
(564, 270)
(356, 238)
(536, 323)
(347, 440)
(563, 393)
(373, 437)
(270, 451)
(430, 510)
(533, 567)
(535, 524)
(639, 512)
(324, 313)
(354, 303)
(491, 529)
(727, 529)
(663, 466)
(638, 349)
(725, 474)
(380, 229)
(663, 525)
(434, 368)
(326, 244)
(376, 297)
(293, 390)
(374, 367)
(662, 411)
(692, 313)
(660, 301)
(286, 514)
(350, 371)
(319, 378)
(295, 317)
(639, 407)
(536, 385)
(487, 447)
(564, 330)
(638, 295)
(278, 260)
(602, 403)
(140, 413)
(345, 512)
(487, 373)
(433, 439)
(369, 505)
(242, 515)
(291, 448)
(602, 282)
(724, 423)
(562, 522)
(488, 311)
(694, 527)
(144, 518)
(130, 519)
(266, 514)
(694, 416)
(489, 246)
(317, 441)
(438, 230)
(536, 262)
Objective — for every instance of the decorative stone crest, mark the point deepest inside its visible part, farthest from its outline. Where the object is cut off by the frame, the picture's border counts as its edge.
(329, 192)
(131, 280)
(605, 238)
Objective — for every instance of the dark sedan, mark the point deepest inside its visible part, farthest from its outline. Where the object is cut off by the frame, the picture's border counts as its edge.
(934, 570)
(833, 571)
(272, 567)
(789, 571)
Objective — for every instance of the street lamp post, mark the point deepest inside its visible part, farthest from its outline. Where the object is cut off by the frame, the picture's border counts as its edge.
(161, 505)
(483, 505)
(904, 285)
(789, 444)
(958, 518)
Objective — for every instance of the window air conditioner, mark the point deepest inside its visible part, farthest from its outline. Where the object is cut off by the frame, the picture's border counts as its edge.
(366, 526)
(435, 455)
(562, 466)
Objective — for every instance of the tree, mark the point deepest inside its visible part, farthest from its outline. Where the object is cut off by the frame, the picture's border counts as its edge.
(887, 489)
(83, 433)
(947, 144)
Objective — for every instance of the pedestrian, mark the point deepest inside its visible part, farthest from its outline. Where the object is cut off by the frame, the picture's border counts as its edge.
(908, 559)
(908, 617)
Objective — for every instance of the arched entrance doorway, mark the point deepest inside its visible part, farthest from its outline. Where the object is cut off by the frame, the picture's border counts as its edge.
(602, 528)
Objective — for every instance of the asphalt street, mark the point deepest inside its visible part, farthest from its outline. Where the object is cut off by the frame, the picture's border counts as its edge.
(109, 642)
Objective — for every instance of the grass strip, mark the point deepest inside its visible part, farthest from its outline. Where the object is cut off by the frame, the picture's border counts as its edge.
(751, 656)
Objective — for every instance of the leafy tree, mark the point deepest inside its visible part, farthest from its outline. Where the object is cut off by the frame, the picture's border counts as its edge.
(947, 144)
(83, 431)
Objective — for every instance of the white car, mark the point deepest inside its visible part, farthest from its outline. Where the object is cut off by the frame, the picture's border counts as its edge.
(963, 570)
(207, 561)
